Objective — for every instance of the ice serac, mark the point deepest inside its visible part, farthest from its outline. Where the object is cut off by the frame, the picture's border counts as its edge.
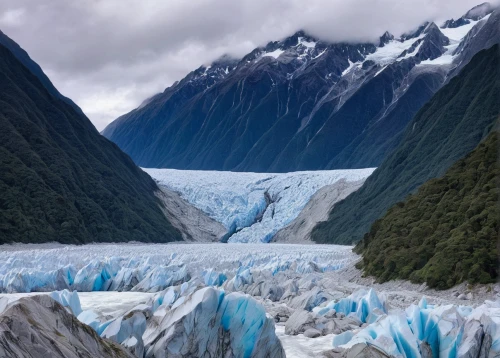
(362, 304)
(253, 207)
(39, 326)
(152, 268)
(211, 323)
(432, 331)
(69, 300)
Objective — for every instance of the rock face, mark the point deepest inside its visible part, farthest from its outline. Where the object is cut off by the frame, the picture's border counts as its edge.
(193, 223)
(39, 326)
(315, 211)
(209, 323)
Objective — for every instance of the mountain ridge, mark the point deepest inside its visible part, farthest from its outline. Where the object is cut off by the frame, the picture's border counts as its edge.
(296, 104)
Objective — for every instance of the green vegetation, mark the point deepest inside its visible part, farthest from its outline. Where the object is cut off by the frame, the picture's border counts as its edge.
(446, 233)
(60, 180)
(445, 130)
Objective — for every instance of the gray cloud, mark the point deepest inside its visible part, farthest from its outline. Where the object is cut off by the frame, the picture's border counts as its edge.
(110, 55)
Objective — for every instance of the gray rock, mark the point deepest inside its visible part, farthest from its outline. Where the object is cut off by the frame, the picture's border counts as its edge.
(316, 210)
(486, 346)
(331, 314)
(462, 297)
(359, 350)
(193, 223)
(365, 351)
(299, 322)
(38, 326)
(312, 333)
(470, 345)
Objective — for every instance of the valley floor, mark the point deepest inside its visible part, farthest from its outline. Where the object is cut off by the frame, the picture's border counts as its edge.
(296, 284)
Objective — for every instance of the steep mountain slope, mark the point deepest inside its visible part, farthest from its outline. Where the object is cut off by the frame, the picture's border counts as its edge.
(59, 179)
(446, 129)
(447, 232)
(299, 103)
(26, 60)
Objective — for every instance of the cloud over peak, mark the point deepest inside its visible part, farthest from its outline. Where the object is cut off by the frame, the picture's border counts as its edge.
(108, 56)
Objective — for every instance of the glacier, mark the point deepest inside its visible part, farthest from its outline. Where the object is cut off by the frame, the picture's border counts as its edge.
(291, 299)
(185, 320)
(425, 330)
(253, 207)
(152, 268)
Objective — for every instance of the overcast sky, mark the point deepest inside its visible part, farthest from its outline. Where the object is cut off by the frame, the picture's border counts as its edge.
(110, 55)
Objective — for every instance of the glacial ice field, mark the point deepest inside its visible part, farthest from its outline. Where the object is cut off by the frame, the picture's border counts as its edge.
(252, 206)
(260, 300)
(153, 267)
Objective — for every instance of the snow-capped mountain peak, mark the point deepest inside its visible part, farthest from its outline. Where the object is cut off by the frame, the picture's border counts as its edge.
(480, 11)
(302, 89)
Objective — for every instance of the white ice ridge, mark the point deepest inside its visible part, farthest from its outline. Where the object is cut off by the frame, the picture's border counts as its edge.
(151, 268)
(252, 206)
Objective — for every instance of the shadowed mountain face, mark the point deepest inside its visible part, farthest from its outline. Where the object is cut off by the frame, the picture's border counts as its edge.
(299, 103)
(59, 179)
(445, 130)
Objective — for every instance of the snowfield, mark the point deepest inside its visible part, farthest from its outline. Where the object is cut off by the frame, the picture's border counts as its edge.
(252, 206)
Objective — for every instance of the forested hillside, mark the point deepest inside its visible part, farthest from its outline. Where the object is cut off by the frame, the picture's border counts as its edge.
(447, 232)
(445, 130)
(62, 181)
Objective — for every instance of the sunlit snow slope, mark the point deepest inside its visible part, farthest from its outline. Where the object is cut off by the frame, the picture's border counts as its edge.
(252, 206)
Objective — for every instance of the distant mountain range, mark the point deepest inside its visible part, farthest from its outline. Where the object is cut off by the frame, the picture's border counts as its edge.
(60, 180)
(301, 103)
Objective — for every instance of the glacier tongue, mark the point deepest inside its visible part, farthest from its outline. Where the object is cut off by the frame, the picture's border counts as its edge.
(252, 206)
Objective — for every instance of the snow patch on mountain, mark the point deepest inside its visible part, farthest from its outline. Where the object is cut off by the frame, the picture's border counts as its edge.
(308, 44)
(391, 51)
(275, 54)
(252, 206)
(456, 36)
